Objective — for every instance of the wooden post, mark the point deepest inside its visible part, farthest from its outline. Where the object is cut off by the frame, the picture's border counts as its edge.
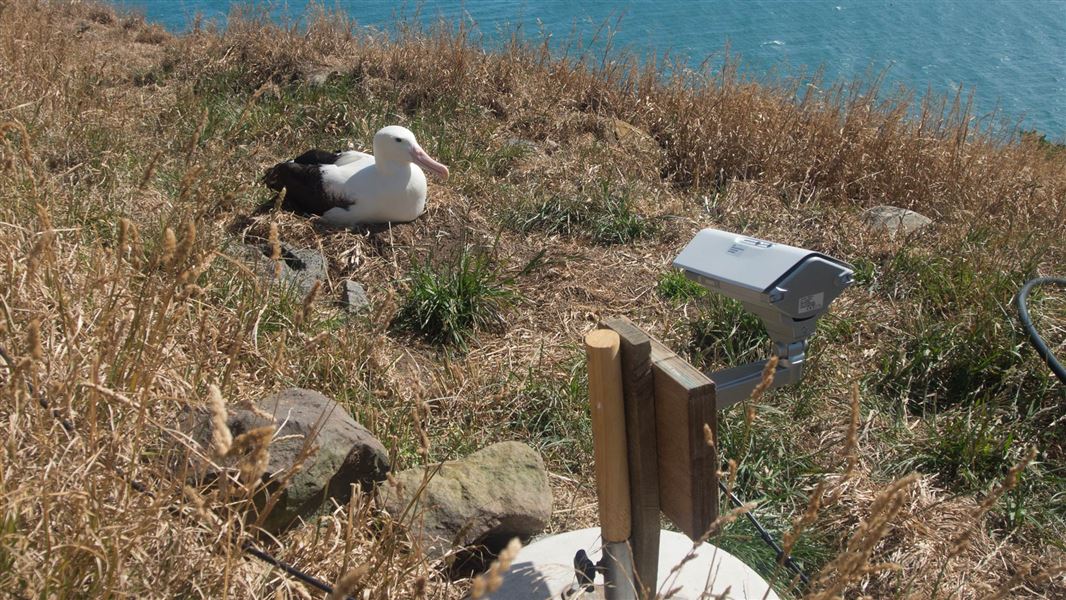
(609, 433)
(653, 454)
(688, 466)
(643, 457)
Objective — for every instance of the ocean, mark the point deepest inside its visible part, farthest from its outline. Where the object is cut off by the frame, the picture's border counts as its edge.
(1010, 54)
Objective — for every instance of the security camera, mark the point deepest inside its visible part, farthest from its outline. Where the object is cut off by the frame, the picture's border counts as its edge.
(788, 288)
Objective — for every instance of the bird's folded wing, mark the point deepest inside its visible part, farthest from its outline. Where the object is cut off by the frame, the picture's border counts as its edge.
(351, 156)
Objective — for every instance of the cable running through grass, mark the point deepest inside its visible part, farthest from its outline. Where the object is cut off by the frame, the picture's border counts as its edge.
(1034, 337)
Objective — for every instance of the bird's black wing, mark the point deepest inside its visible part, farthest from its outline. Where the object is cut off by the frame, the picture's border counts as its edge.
(317, 157)
(302, 180)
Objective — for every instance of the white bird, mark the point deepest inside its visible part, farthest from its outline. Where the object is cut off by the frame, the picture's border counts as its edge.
(351, 188)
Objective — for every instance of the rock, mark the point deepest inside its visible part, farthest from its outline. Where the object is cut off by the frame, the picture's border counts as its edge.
(354, 297)
(629, 136)
(491, 496)
(895, 220)
(300, 267)
(346, 452)
(319, 78)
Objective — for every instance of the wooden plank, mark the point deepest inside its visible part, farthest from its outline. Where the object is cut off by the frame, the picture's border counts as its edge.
(602, 348)
(688, 466)
(638, 393)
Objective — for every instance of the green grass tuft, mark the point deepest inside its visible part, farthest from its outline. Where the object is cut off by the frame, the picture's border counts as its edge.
(968, 449)
(448, 301)
(552, 415)
(674, 286)
(961, 343)
(603, 214)
(725, 334)
(771, 472)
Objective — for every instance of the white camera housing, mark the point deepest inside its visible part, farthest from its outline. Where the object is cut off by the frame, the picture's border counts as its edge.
(787, 287)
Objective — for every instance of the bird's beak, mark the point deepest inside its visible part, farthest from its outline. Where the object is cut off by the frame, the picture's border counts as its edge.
(419, 156)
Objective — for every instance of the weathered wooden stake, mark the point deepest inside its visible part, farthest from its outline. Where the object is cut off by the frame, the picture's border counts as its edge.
(602, 348)
(609, 433)
(643, 456)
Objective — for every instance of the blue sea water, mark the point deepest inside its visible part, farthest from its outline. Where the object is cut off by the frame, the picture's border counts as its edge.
(1011, 54)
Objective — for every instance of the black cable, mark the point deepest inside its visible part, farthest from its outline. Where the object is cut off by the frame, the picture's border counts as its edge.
(766, 537)
(1027, 323)
(143, 489)
(291, 570)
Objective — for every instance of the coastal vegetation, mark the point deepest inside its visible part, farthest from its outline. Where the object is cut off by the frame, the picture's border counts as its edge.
(923, 456)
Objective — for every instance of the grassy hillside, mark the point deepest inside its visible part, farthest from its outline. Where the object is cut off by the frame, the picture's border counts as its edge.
(129, 166)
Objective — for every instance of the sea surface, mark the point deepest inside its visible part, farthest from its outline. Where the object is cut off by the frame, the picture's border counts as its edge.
(1010, 54)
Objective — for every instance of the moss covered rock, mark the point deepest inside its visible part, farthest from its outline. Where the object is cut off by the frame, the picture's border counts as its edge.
(491, 496)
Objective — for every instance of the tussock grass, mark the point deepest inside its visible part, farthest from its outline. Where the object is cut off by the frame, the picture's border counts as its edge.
(723, 334)
(551, 411)
(129, 166)
(674, 286)
(448, 301)
(602, 214)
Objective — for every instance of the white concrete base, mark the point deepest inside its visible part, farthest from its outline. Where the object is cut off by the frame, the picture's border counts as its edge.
(545, 569)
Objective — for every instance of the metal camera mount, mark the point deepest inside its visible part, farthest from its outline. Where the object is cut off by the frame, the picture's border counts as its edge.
(788, 288)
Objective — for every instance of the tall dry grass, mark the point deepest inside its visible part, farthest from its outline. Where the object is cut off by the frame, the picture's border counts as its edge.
(129, 162)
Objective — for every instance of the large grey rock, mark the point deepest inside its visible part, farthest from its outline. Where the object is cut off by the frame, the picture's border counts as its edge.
(300, 267)
(895, 220)
(346, 452)
(491, 496)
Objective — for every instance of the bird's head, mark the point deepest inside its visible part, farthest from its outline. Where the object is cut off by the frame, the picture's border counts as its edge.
(395, 143)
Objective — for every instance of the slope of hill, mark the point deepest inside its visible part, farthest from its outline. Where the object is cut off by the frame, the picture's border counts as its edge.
(129, 166)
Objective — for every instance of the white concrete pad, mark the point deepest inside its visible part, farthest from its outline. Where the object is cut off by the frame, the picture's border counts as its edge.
(544, 569)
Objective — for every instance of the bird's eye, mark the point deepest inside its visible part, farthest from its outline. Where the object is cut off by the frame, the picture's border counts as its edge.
(399, 140)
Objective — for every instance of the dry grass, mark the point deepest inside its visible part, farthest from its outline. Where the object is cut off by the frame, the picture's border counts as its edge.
(129, 162)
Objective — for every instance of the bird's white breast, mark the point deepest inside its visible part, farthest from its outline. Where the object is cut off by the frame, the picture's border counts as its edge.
(395, 194)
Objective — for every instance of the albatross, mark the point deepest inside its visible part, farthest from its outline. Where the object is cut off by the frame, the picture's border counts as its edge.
(352, 188)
